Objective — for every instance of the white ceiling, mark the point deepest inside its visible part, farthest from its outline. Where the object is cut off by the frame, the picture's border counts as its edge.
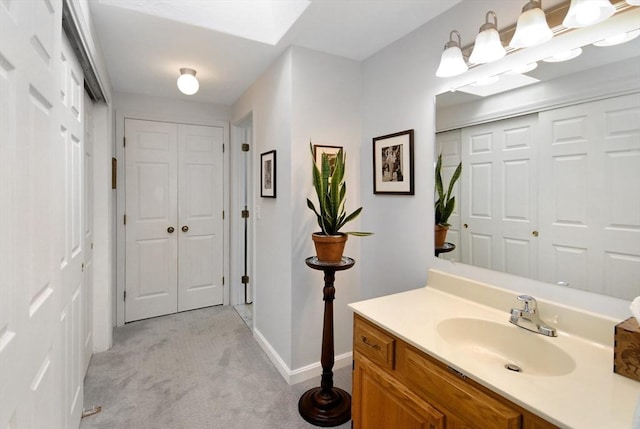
(144, 52)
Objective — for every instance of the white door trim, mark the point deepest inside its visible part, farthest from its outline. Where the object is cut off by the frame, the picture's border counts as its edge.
(120, 116)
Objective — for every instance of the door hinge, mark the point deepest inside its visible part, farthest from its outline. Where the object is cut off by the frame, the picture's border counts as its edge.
(124, 142)
(125, 219)
(222, 214)
(245, 147)
(82, 267)
(245, 214)
(223, 148)
(125, 295)
(222, 280)
(245, 279)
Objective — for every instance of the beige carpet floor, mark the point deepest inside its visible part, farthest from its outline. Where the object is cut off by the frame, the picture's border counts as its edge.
(199, 369)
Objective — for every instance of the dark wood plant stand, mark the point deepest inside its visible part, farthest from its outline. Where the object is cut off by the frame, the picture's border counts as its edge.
(327, 405)
(447, 247)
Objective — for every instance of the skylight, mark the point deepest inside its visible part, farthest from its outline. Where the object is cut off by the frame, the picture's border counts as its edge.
(264, 21)
(506, 82)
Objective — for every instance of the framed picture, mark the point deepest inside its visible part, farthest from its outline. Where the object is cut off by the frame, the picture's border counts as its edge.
(268, 174)
(331, 151)
(393, 164)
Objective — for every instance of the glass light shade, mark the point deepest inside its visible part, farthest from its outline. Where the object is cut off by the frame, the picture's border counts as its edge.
(451, 63)
(532, 28)
(487, 48)
(187, 82)
(619, 38)
(633, 2)
(587, 12)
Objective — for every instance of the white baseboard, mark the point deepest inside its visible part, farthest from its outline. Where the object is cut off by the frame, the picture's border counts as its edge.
(301, 374)
(315, 369)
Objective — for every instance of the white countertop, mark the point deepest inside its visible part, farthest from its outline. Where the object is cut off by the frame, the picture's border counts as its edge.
(590, 396)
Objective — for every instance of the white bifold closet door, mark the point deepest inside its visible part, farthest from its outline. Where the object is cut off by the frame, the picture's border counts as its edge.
(43, 316)
(590, 224)
(174, 217)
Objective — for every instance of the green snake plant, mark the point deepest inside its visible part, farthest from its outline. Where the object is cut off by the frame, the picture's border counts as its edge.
(446, 202)
(331, 191)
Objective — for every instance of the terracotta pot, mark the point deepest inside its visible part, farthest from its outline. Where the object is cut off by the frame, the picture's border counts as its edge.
(440, 234)
(329, 248)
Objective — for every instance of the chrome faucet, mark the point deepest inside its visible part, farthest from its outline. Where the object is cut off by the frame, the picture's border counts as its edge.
(528, 318)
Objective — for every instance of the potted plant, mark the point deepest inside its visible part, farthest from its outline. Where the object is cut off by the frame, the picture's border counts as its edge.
(328, 181)
(445, 203)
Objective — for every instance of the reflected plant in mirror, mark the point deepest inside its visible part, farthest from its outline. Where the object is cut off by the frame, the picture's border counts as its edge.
(445, 203)
(551, 189)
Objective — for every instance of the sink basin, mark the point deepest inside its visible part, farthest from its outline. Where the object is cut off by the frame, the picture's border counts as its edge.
(506, 345)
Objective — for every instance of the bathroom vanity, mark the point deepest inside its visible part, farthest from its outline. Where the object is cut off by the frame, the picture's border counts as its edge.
(446, 356)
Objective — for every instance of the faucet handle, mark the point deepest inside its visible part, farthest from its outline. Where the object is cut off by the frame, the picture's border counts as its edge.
(530, 303)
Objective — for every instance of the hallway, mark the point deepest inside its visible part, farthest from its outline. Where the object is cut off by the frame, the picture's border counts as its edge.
(193, 370)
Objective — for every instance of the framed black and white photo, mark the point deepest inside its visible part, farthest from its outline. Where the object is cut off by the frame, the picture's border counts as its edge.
(331, 151)
(393, 164)
(268, 174)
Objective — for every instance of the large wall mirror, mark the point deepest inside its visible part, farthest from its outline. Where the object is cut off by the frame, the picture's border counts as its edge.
(550, 188)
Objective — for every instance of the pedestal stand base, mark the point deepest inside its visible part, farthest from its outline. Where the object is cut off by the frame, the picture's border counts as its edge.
(325, 409)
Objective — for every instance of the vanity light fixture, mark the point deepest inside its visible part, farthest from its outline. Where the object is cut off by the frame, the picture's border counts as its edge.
(488, 46)
(619, 38)
(587, 12)
(452, 62)
(532, 28)
(564, 56)
(187, 82)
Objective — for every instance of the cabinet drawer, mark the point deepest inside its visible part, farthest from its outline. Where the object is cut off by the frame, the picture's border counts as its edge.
(374, 343)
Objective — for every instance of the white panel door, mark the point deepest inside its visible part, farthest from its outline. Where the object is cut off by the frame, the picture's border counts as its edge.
(200, 180)
(590, 223)
(498, 196)
(73, 233)
(32, 388)
(174, 206)
(151, 219)
(87, 305)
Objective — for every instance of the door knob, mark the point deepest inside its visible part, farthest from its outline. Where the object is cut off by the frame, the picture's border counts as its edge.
(170, 229)
(185, 228)
(535, 233)
(466, 226)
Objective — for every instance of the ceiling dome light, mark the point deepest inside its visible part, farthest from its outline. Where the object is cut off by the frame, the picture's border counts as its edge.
(587, 12)
(618, 38)
(187, 82)
(532, 28)
(564, 56)
(488, 46)
(452, 62)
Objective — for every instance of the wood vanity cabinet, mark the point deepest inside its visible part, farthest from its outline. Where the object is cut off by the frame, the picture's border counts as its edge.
(396, 386)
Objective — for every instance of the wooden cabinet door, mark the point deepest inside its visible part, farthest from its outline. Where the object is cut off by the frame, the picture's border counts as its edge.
(381, 402)
(455, 423)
